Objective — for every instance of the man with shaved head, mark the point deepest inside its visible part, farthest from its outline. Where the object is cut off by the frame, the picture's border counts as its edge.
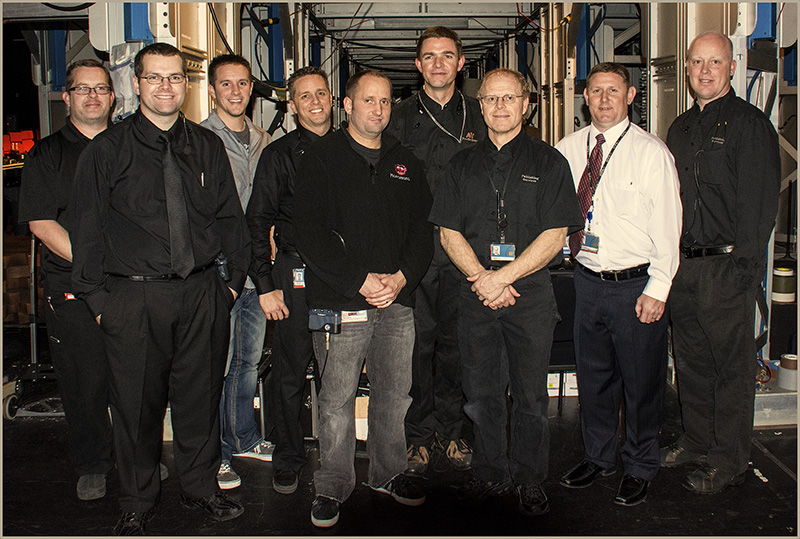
(726, 153)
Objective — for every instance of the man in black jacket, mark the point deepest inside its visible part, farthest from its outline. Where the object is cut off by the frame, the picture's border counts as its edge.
(726, 153)
(281, 287)
(361, 205)
(436, 123)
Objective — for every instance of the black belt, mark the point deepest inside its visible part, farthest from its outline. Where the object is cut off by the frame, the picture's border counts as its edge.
(160, 278)
(699, 252)
(618, 275)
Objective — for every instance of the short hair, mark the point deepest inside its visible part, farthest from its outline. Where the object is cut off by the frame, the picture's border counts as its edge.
(302, 72)
(726, 40)
(225, 60)
(352, 83)
(610, 67)
(443, 32)
(88, 62)
(505, 71)
(158, 49)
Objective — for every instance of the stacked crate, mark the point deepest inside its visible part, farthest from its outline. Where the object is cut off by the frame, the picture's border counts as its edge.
(16, 280)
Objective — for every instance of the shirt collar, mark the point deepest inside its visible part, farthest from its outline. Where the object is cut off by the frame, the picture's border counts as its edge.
(151, 133)
(611, 134)
(714, 106)
(434, 106)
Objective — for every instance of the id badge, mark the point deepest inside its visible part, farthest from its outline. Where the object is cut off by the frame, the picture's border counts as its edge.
(299, 277)
(502, 252)
(591, 243)
(349, 317)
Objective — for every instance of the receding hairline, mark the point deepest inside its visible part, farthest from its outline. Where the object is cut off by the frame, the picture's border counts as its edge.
(726, 41)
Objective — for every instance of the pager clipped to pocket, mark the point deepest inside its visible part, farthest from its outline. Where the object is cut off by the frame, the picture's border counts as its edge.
(325, 320)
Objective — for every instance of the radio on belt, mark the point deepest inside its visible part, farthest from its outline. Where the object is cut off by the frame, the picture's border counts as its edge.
(325, 320)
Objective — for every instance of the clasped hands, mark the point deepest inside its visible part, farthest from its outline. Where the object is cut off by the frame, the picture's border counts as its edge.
(381, 289)
(492, 289)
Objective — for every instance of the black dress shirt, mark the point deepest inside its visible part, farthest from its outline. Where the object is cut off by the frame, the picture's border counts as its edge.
(729, 169)
(272, 200)
(45, 193)
(122, 227)
(416, 130)
(539, 194)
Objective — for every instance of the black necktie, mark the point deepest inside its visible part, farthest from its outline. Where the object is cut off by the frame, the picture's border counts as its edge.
(180, 236)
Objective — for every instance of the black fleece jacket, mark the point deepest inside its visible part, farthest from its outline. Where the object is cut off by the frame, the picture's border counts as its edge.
(352, 218)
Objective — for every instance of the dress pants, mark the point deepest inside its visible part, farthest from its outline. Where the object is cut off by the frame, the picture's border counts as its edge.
(437, 396)
(385, 340)
(166, 341)
(79, 359)
(713, 328)
(502, 349)
(619, 358)
(291, 352)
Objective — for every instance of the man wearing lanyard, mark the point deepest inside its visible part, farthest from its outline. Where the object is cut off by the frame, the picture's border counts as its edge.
(76, 343)
(436, 123)
(726, 152)
(158, 208)
(504, 210)
(627, 255)
(230, 85)
(281, 287)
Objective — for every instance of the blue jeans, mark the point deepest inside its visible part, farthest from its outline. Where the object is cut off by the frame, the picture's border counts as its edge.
(237, 418)
(386, 340)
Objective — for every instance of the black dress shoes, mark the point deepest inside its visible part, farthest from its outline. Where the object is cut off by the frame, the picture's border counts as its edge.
(134, 523)
(632, 491)
(584, 475)
(217, 505)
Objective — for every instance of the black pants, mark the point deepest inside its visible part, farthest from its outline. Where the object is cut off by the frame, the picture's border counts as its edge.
(618, 357)
(437, 397)
(166, 342)
(509, 349)
(291, 351)
(713, 326)
(79, 359)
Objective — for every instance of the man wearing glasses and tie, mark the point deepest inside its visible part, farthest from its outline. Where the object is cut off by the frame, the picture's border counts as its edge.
(504, 210)
(161, 251)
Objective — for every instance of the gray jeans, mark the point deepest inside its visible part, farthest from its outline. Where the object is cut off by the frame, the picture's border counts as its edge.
(386, 340)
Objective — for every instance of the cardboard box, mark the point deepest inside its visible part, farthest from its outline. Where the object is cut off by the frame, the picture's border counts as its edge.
(362, 413)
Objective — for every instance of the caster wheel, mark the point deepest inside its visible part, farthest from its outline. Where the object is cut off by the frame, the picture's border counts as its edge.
(10, 407)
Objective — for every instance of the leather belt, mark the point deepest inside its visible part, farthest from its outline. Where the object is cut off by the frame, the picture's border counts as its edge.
(161, 278)
(699, 252)
(618, 275)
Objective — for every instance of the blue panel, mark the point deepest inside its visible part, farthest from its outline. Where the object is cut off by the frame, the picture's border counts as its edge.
(275, 45)
(57, 57)
(790, 65)
(582, 60)
(765, 23)
(522, 57)
(137, 25)
(316, 53)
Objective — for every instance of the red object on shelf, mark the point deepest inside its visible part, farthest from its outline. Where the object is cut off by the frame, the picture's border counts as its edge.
(19, 141)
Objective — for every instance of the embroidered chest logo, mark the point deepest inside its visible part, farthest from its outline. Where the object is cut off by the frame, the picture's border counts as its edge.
(400, 169)
(532, 179)
(400, 173)
(470, 136)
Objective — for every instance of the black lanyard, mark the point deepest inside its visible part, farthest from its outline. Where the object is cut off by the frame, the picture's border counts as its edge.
(594, 184)
(440, 126)
(502, 218)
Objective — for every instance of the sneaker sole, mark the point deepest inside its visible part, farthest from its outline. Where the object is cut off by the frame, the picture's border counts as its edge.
(285, 489)
(324, 523)
(411, 502)
(228, 485)
(257, 456)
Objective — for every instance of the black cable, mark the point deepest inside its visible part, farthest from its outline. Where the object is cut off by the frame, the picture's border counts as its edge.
(79, 7)
(219, 29)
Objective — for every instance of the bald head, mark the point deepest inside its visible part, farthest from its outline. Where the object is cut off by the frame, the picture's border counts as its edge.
(710, 66)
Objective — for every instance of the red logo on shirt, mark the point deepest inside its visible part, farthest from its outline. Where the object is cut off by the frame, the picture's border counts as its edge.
(400, 169)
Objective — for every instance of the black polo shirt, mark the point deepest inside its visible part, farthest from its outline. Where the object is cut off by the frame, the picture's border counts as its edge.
(539, 194)
(45, 194)
(122, 228)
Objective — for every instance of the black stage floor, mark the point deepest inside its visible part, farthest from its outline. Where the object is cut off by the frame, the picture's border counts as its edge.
(39, 492)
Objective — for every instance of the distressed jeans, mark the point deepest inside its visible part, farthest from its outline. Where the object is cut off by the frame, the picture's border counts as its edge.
(386, 340)
(237, 416)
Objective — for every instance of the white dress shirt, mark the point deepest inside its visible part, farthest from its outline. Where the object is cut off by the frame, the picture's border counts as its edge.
(637, 207)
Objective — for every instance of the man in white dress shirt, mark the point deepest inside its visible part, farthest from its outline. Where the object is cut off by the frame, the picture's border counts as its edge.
(626, 257)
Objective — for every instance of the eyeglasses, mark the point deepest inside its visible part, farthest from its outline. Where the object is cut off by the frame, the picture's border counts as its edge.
(494, 99)
(158, 79)
(84, 90)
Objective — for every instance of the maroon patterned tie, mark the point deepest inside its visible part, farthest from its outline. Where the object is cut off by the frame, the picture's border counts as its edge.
(586, 189)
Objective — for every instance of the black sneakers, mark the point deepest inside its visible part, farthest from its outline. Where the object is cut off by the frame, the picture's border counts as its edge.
(218, 505)
(324, 512)
(475, 490)
(134, 523)
(404, 490)
(284, 481)
(532, 500)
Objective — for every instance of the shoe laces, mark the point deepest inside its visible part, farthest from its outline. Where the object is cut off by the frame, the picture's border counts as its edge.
(224, 468)
(531, 493)
(263, 447)
(420, 453)
(457, 449)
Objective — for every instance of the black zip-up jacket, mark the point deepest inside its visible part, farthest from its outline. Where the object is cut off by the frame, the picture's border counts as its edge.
(352, 218)
(412, 126)
(730, 173)
(272, 200)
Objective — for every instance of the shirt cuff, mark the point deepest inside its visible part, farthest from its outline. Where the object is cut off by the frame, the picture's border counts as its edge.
(657, 289)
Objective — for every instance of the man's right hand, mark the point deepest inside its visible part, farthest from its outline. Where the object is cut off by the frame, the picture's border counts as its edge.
(372, 284)
(273, 306)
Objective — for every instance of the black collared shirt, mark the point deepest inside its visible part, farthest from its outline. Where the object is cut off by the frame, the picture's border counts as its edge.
(272, 201)
(45, 193)
(729, 169)
(539, 194)
(414, 128)
(122, 226)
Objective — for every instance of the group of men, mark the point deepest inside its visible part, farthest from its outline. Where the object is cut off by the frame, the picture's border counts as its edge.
(419, 240)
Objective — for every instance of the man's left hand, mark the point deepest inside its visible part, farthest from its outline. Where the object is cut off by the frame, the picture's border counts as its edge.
(648, 309)
(488, 285)
(392, 285)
